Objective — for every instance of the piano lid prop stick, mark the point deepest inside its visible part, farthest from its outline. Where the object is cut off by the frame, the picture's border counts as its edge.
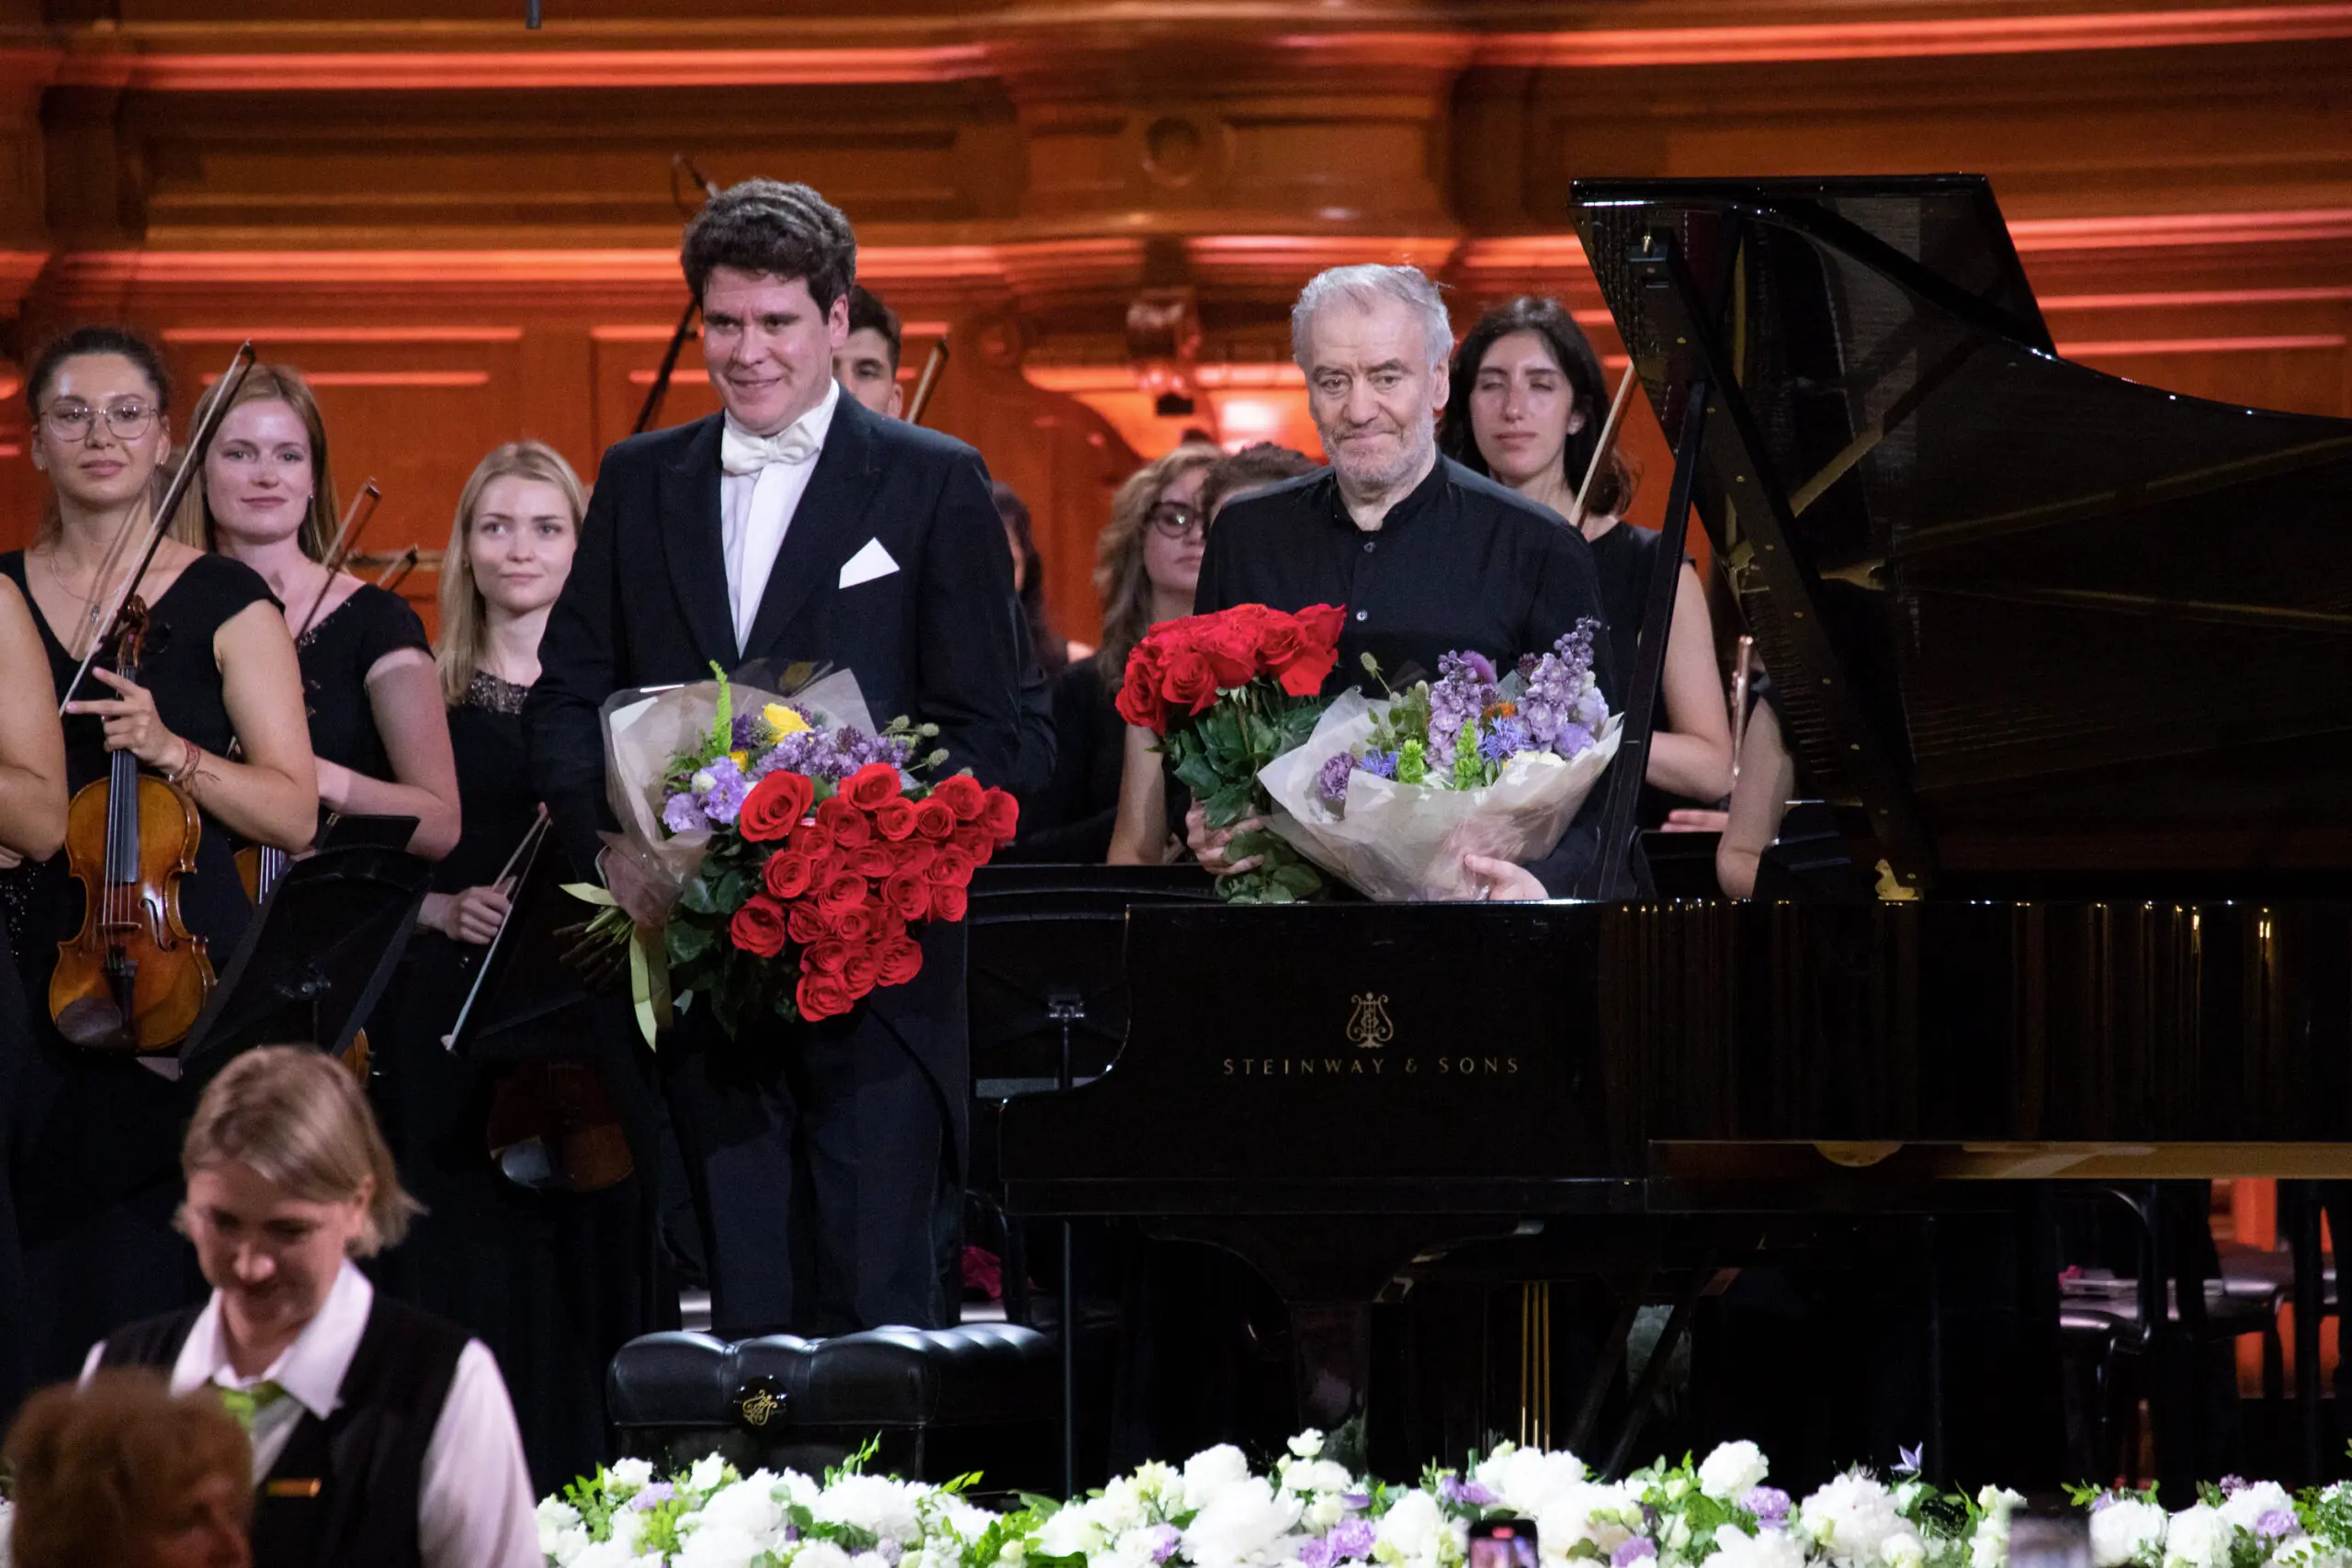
(354, 518)
(928, 382)
(1600, 448)
(1742, 668)
(160, 518)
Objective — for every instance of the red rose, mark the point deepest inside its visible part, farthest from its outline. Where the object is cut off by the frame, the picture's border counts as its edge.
(888, 924)
(1189, 681)
(824, 957)
(900, 961)
(895, 818)
(1303, 675)
(856, 927)
(871, 786)
(907, 896)
(1230, 646)
(934, 818)
(775, 806)
(815, 840)
(874, 860)
(947, 901)
(839, 895)
(787, 873)
(1279, 641)
(916, 855)
(805, 925)
(1000, 816)
(860, 973)
(1139, 701)
(962, 795)
(953, 867)
(758, 927)
(845, 822)
(821, 997)
(1320, 623)
(832, 866)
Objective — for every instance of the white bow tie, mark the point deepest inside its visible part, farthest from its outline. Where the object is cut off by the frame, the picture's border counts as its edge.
(742, 452)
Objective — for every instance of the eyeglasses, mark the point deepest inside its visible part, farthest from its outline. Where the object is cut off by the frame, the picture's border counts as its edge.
(1174, 519)
(129, 419)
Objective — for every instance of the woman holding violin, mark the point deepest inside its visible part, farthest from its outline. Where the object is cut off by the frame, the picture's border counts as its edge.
(32, 827)
(95, 1134)
(556, 1275)
(266, 496)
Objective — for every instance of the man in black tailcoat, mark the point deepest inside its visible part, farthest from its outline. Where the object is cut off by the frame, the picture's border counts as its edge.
(797, 525)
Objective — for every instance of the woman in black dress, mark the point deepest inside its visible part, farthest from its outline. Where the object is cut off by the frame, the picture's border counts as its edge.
(554, 1282)
(96, 1136)
(32, 827)
(1526, 409)
(267, 497)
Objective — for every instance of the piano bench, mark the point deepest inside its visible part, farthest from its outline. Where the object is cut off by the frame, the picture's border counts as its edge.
(984, 1396)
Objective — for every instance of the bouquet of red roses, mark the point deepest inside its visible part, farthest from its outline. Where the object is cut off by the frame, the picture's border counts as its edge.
(1227, 694)
(776, 858)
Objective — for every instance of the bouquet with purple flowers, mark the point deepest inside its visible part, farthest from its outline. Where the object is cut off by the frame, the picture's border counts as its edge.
(1389, 794)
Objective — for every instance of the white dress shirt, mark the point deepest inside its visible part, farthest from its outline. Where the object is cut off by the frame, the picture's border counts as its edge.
(757, 505)
(474, 1508)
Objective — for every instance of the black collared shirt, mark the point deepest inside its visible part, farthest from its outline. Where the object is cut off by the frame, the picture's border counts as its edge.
(1459, 564)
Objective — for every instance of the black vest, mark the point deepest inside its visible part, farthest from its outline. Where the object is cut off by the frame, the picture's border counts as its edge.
(344, 1492)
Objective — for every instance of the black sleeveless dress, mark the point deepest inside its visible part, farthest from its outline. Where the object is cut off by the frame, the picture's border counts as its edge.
(1625, 557)
(95, 1139)
(553, 1282)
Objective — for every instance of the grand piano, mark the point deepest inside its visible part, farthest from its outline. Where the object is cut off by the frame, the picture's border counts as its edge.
(2070, 658)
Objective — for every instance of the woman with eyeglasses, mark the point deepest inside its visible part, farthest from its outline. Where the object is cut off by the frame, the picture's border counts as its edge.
(266, 496)
(95, 1135)
(1147, 559)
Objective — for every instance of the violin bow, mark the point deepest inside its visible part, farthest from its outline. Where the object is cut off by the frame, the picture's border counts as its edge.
(1600, 448)
(397, 573)
(928, 382)
(354, 518)
(161, 518)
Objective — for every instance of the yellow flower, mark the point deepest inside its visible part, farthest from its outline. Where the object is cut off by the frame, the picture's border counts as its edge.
(782, 721)
(741, 758)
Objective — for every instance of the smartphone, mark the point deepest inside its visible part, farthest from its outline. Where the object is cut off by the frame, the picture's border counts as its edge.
(1503, 1543)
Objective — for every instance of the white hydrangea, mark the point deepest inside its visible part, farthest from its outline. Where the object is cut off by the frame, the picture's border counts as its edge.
(719, 1546)
(748, 1505)
(1323, 1513)
(2246, 1507)
(628, 1475)
(820, 1554)
(1853, 1521)
(2126, 1530)
(613, 1554)
(1988, 1546)
(1587, 1511)
(1734, 1548)
(1731, 1471)
(1528, 1481)
(2199, 1537)
(1315, 1475)
(557, 1519)
(874, 1504)
(1245, 1525)
(1412, 1532)
(2296, 1552)
(1211, 1471)
(1072, 1530)
(1307, 1444)
(706, 1473)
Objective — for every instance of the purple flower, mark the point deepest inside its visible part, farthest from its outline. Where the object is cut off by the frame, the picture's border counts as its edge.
(724, 799)
(1632, 1551)
(1907, 1460)
(2275, 1523)
(1768, 1504)
(2103, 1501)
(659, 1492)
(1380, 765)
(1459, 695)
(1316, 1554)
(1164, 1538)
(1572, 740)
(2232, 1484)
(1555, 690)
(1355, 1501)
(1351, 1538)
(1471, 1494)
(1505, 739)
(1480, 666)
(680, 814)
(1331, 783)
(748, 731)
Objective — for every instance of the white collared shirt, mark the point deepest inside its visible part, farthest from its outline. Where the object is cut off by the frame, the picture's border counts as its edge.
(474, 1507)
(757, 510)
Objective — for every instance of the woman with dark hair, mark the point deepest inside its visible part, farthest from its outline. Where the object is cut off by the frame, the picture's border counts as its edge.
(1029, 579)
(217, 709)
(1526, 407)
(266, 496)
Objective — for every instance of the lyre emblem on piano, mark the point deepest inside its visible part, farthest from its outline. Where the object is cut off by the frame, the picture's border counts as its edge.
(1368, 1025)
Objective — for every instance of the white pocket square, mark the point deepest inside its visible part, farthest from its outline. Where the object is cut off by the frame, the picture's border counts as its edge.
(869, 563)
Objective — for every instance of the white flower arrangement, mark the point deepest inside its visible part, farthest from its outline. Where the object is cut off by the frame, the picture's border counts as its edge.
(1309, 1510)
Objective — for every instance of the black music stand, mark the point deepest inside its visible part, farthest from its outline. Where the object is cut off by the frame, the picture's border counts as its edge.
(314, 959)
(1046, 981)
(525, 1002)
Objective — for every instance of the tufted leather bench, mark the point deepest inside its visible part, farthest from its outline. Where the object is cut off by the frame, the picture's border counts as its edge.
(983, 1396)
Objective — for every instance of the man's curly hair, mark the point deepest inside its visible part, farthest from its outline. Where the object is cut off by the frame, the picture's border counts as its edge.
(768, 226)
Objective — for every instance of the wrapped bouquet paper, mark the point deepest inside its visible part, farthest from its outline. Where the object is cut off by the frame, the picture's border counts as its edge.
(1389, 794)
(777, 855)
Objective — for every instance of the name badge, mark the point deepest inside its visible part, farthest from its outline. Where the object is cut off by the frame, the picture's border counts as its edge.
(291, 1488)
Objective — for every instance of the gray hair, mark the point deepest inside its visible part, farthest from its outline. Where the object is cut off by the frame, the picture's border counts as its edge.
(1363, 285)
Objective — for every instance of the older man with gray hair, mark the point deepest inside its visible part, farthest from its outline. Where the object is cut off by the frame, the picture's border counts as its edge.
(1426, 557)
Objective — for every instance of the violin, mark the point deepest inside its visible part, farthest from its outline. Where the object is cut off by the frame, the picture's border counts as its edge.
(132, 979)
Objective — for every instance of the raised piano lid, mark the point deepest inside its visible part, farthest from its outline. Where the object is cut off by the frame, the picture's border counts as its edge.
(2035, 628)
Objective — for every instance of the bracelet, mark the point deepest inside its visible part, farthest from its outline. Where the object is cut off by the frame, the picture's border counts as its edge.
(190, 755)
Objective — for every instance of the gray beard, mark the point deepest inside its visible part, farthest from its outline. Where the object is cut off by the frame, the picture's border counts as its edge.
(1416, 453)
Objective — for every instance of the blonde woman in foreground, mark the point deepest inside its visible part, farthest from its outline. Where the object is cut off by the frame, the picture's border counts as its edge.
(382, 1438)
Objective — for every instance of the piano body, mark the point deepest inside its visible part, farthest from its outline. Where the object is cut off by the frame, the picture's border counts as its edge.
(2071, 658)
